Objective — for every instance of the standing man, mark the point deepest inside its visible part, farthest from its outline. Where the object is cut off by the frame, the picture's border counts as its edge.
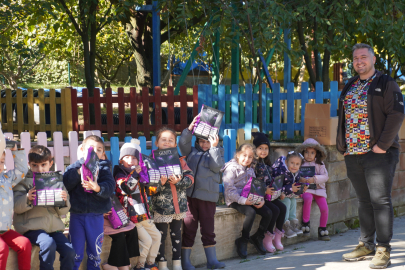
(371, 111)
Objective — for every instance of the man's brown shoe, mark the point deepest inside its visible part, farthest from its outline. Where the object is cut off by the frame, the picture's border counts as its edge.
(381, 259)
(359, 253)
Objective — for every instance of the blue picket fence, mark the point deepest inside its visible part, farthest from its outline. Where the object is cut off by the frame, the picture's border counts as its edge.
(229, 144)
(271, 115)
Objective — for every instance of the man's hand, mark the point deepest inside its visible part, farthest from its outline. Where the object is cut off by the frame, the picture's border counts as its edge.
(378, 150)
(90, 184)
(260, 205)
(31, 194)
(214, 140)
(63, 194)
(191, 126)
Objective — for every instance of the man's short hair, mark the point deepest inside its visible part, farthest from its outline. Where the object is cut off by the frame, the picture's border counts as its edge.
(39, 154)
(363, 46)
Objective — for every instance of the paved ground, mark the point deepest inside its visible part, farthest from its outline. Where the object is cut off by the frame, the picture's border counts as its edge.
(323, 255)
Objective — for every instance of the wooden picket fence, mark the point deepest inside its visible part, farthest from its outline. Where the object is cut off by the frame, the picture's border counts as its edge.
(135, 101)
(19, 108)
(241, 104)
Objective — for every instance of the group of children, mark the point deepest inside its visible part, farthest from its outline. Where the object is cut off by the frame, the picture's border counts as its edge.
(278, 210)
(188, 200)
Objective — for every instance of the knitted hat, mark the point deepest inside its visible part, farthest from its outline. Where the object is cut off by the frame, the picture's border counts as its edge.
(132, 148)
(260, 138)
(312, 143)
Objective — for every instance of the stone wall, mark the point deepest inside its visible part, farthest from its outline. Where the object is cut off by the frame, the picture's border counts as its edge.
(342, 203)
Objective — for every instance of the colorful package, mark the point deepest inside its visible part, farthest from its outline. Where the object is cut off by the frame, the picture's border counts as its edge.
(49, 187)
(254, 189)
(152, 170)
(117, 218)
(90, 167)
(208, 122)
(168, 162)
(307, 172)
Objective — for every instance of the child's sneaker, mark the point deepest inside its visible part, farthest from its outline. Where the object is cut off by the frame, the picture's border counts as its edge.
(305, 227)
(323, 234)
(287, 230)
(151, 266)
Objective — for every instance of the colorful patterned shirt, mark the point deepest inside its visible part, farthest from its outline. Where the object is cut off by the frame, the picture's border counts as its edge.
(357, 128)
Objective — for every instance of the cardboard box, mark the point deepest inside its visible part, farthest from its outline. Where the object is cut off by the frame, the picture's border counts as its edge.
(319, 125)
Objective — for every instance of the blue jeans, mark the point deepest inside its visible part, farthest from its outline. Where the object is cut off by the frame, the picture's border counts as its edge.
(87, 228)
(291, 205)
(48, 244)
(371, 175)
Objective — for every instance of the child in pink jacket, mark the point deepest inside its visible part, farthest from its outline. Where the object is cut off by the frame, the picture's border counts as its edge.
(314, 154)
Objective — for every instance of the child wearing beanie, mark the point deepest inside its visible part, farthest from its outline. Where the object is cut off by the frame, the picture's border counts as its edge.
(272, 239)
(131, 177)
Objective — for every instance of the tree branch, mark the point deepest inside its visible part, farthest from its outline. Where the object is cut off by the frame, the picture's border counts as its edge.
(300, 31)
(62, 2)
(105, 16)
(34, 65)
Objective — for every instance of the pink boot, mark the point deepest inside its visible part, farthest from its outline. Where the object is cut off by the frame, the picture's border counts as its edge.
(277, 239)
(268, 242)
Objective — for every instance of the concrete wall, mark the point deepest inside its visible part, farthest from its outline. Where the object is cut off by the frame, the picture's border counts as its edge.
(228, 223)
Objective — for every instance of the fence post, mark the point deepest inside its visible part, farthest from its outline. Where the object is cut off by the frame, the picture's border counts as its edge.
(9, 101)
(75, 124)
(20, 115)
(333, 98)
(121, 113)
(145, 107)
(290, 110)
(58, 148)
(304, 101)
(73, 145)
(235, 107)
(248, 111)
(41, 105)
(115, 150)
(276, 112)
(110, 116)
(221, 107)
(319, 92)
(264, 109)
(30, 106)
(68, 111)
(52, 109)
(134, 112)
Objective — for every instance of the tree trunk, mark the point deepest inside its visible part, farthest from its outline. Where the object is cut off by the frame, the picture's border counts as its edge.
(308, 62)
(135, 28)
(326, 60)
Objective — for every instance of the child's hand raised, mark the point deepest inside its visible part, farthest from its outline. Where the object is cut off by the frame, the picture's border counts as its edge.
(31, 194)
(214, 140)
(191, 126)
(163, 180)
(174, 179)
(260, 205)
(270, 191)
(63, 195)
(90, 184)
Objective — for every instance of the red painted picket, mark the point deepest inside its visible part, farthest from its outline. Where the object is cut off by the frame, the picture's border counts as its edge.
(135, 100)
